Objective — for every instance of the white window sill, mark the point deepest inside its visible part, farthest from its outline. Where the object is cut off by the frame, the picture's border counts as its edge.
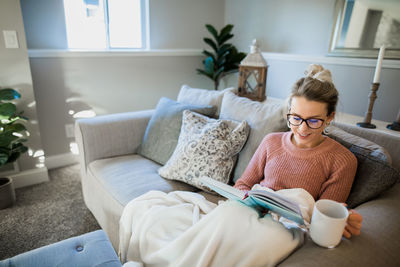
(59, 53)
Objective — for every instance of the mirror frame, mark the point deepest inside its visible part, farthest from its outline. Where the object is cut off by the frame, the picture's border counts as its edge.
(352, 52)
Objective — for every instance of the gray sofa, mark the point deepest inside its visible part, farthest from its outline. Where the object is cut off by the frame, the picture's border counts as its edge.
(113, 174)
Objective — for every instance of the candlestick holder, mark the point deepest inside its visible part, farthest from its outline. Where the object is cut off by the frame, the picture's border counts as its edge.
(396, 124)
(368, 115)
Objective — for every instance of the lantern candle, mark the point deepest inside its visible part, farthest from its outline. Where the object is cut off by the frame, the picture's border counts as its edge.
(379, 64)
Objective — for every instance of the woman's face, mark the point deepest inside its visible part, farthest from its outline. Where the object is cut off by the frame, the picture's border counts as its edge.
(303, 136)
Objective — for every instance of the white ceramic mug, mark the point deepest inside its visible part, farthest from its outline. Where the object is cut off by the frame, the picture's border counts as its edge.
(327, 223)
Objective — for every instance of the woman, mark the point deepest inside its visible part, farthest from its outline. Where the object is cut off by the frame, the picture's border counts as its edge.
(304, 157)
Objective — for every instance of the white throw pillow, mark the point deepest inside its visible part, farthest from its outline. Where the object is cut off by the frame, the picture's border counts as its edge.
(263, 117)
(197, 96)
(206, 147)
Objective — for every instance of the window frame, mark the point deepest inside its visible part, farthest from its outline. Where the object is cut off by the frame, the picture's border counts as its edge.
(145, 30)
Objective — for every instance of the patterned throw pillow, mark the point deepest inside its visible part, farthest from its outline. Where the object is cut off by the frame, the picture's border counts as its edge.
(206, 147)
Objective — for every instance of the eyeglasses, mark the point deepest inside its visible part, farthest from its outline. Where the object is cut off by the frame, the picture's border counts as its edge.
(311, 122)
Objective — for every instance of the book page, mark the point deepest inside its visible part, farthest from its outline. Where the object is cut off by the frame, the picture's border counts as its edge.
(276, 199)
(223, 189)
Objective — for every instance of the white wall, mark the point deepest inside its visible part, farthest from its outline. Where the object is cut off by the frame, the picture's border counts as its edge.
(15, 73)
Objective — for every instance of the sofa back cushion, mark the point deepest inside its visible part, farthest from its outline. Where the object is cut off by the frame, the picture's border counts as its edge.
(374, 171)
(373, 177)
(196, 96)
(206, 147)
(262, 117)
(162, 132)
(348, 140)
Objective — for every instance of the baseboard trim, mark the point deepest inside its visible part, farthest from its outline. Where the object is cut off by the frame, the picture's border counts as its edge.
(61, 160)
(30, 177)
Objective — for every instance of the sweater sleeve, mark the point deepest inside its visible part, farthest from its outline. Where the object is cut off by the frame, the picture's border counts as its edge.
(254, 171)
(337, 187)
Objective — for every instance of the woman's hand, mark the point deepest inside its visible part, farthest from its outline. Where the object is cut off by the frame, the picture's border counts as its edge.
(353, 225)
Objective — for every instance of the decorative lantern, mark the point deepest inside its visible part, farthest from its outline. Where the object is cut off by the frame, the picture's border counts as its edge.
(253, 74)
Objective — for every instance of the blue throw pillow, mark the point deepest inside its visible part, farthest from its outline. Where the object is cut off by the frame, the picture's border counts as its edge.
(162, 132)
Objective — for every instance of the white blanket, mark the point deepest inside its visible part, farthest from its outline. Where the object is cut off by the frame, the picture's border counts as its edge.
(184, 229)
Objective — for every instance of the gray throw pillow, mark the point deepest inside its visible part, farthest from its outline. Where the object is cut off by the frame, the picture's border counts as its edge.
(347, 140)
(373, 177)
(162, 132)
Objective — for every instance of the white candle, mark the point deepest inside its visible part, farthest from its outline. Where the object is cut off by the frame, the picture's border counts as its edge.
(379, 64)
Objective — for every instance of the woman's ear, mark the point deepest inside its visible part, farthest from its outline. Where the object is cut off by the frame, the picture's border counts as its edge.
(331, 117)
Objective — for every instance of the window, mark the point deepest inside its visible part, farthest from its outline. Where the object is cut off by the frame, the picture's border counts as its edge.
(105, 24)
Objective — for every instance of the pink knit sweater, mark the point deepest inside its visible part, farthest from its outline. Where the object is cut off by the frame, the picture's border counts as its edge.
(325, 171)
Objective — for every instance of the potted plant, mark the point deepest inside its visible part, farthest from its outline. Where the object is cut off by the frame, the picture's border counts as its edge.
(224, 57)
(12, 136)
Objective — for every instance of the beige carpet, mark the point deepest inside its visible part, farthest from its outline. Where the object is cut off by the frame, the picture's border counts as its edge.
(45, 213)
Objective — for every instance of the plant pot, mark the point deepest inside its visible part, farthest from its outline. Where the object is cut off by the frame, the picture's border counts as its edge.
(7, 193)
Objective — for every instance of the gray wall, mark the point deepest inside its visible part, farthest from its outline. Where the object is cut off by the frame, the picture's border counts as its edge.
(15, 73)
(44, 24)
(174, 24)
(106, 85)
(284, 26)
(117, 84)
(180, 23)
(114, 84)
(304, 27)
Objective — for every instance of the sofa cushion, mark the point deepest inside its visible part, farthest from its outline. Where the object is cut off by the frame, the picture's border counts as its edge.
(196, 96)
(162, 132)
(374, 172)
(373, 177)
(206, 147)
(348, 140)
(378, 244)
(263, 118)
(128, 177)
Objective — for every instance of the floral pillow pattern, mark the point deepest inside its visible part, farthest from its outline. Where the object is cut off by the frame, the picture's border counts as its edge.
(206, 147)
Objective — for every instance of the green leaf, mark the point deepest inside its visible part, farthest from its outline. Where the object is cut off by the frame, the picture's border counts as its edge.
(224, 38)
(7, 110)
(19, 147)
(211, 43)
(223, 49)
(3, 158)
(13, 157)
(7, 94)
(221, 61)
(17, 127)
(199, 71)
(212, 30)
(218, 73)
(6, 138)
(226, 30)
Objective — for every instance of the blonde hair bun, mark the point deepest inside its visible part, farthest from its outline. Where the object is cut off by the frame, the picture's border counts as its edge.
(318, 72)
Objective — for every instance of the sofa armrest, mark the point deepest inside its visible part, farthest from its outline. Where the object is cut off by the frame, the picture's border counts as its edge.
(110, 135)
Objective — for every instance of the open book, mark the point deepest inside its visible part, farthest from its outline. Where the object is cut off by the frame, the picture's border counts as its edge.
(260, 200)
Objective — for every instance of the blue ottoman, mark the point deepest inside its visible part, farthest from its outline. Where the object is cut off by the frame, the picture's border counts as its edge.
(91, 249)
